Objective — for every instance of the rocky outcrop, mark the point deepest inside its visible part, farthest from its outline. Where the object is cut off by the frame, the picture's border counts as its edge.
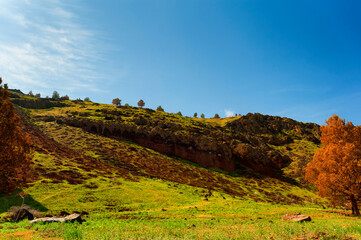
(196, 148)
(216, 149)
(280, 130)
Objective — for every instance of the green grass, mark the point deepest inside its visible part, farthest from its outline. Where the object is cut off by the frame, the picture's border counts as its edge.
(155, 209)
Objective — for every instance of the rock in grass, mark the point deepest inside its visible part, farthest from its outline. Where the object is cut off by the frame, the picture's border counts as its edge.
(71, 218)
(296, 217)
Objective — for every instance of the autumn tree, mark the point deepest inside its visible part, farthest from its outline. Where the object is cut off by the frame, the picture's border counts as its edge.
(116, 101)
(15, 147)
(216, 115)
(202, 115)
(141, 103)
(195, 115)
(336, 167)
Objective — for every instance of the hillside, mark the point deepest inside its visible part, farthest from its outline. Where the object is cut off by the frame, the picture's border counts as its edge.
(177, 177)
(253, 140)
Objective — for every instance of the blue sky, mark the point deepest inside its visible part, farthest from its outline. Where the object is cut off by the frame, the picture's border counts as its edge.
(297, 59)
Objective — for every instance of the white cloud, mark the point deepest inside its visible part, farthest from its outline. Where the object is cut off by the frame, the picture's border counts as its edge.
(229, 113)
(46, 48)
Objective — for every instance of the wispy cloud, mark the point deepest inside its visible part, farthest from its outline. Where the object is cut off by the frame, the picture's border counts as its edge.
(229, 113)
(45, 47)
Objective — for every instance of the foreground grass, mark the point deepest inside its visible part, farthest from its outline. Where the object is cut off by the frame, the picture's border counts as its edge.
(157, 209)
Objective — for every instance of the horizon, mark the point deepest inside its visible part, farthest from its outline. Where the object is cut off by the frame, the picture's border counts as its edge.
(299, 60)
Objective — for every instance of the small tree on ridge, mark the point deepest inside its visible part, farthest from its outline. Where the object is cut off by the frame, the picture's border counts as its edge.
(55, 95)
(116, 101)
(141, 103)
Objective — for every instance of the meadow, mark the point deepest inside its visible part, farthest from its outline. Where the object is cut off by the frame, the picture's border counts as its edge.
(158, 209)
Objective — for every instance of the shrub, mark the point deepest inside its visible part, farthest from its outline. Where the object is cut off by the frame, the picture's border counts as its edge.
(55, 95)
(159, 108)
(216, 115)
(195, 115)
(202, 115)
(66, 97)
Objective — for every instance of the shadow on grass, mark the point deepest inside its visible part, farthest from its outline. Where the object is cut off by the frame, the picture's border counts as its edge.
(6, 202)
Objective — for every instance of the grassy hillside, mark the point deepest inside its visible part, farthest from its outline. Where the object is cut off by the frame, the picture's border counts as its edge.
(126, 190)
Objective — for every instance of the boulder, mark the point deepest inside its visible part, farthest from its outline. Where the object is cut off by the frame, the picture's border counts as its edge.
(296, 217)
(21, 214)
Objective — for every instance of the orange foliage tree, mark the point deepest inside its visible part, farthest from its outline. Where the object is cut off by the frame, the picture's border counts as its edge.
(141, 103)
(116, 101)
(336, 167)
(15, 147)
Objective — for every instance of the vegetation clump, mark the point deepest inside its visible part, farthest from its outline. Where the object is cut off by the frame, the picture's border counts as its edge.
(159, 108)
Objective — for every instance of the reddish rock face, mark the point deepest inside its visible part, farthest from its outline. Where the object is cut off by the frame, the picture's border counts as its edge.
(245, 141)
(204, 158)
